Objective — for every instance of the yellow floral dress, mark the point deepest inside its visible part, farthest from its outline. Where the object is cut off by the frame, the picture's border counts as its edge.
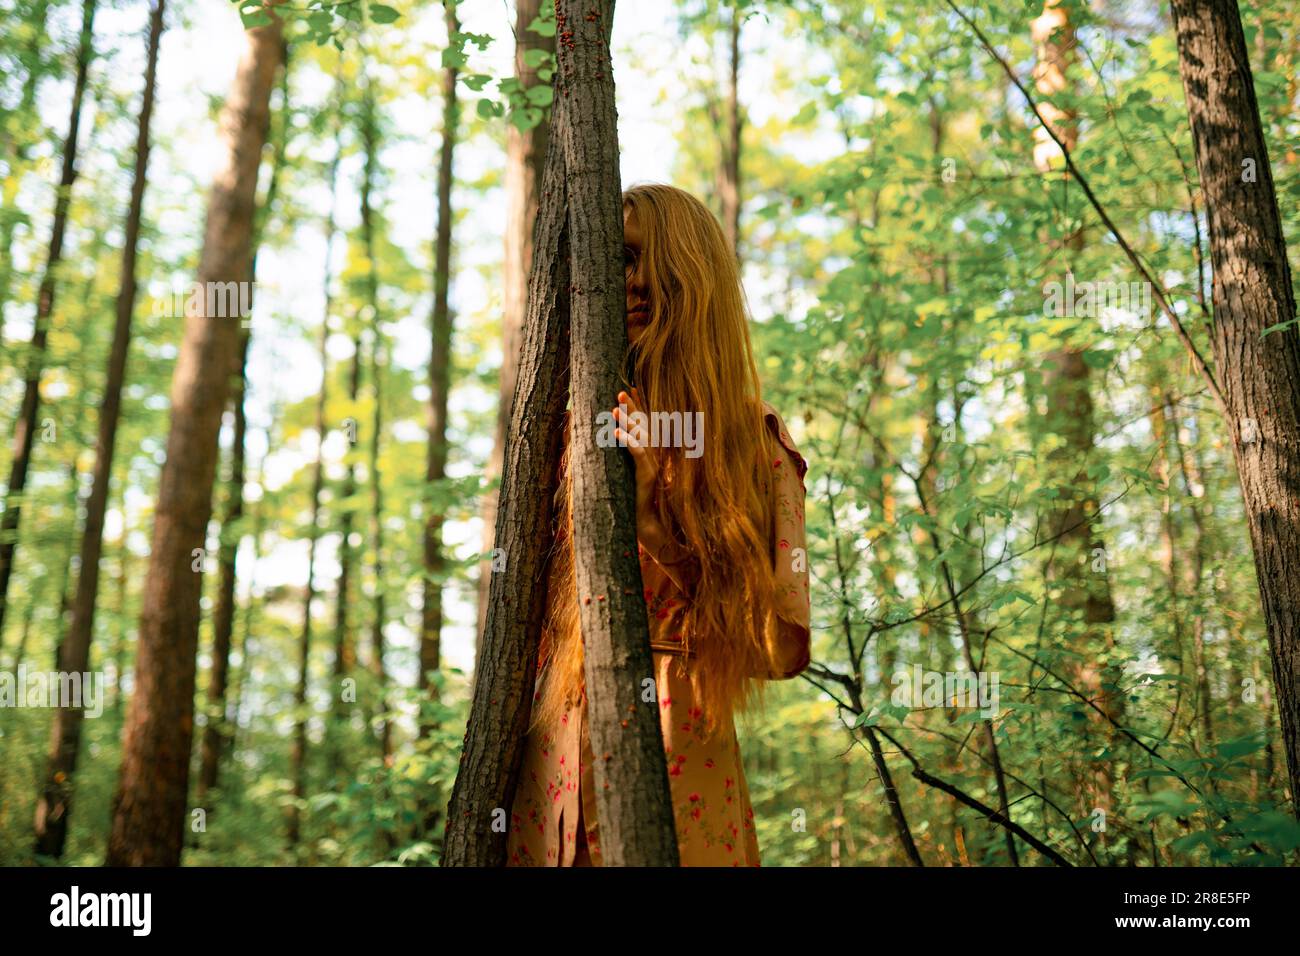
(715, 822)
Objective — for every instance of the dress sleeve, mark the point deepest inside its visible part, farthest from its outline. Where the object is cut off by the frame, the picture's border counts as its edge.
(789, 647)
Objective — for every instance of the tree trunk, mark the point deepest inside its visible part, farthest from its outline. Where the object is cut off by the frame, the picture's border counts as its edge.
(369, 135)
(729, 167)
(525, 164)
(212, 743)
(54, 805)
(299, 757)
(506, 668)
(344, 649)
(632, 794)
(439, 386)
(149, 804)
(216, 732)
(25, 428)
(1252, 292)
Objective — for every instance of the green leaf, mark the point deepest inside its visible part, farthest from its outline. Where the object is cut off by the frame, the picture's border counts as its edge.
(380, 13)
(1280, 326)
(545, 28)
(254, 17)
(540, 95)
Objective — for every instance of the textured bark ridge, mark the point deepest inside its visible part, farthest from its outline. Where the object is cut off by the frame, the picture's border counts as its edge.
(1260, 375)
(149, 805)
(633, 799)
(525, 167)
(576, 276)
(478, 812)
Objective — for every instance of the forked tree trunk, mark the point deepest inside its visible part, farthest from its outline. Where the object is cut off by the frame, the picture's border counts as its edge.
(149, 805)
(580, 199)
(1252, 292)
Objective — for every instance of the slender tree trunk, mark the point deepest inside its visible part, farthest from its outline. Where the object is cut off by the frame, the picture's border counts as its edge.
(369, 135)
(439, 386)
(1252, 292)
(344, 647)
(299, 755)
(243, 674)
(123, 616)
(525, 164)
(25, 428)
(1082, 592)
(149, 804)
(632, 794)
(213, 742)
(299, 758)
(729, 168)
(54, 805)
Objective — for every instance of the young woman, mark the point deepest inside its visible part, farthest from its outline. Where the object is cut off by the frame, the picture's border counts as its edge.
(721, 542)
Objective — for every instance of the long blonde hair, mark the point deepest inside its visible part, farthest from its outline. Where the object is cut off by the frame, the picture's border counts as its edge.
(694, 355)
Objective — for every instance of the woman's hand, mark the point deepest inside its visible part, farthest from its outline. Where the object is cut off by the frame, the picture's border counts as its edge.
(649, 529)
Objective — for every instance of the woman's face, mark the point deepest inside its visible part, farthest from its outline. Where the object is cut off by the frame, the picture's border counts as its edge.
(637, 292)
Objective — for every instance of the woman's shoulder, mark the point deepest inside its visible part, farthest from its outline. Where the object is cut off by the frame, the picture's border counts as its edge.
(776, 425)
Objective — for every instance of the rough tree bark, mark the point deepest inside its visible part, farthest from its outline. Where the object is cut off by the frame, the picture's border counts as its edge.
(525, 164)
(149, 805)
(633, 800)
(1252, 292)
(475, 833)
(581, 198)
(34, 359)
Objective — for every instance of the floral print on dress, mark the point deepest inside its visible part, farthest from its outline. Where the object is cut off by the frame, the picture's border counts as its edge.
(710, 797)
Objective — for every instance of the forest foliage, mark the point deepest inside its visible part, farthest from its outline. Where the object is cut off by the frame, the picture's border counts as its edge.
(962, 349)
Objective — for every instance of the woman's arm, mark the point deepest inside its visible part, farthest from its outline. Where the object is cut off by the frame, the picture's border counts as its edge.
(789, 645)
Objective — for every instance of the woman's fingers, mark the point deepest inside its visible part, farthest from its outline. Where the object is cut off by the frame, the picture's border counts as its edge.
(637, 431)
